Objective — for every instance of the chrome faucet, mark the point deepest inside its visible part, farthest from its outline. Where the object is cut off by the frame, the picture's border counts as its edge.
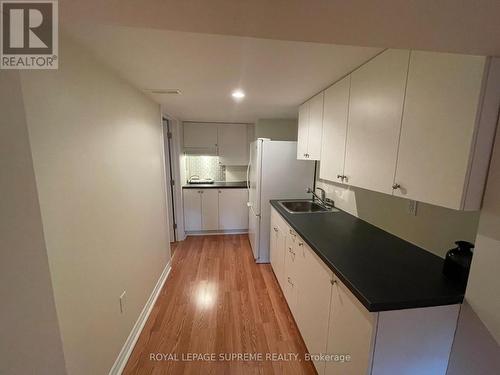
(323, 194)
(323, 200)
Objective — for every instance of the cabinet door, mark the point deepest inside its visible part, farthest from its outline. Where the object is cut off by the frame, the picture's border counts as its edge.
(375, 110)
(336, 106)
(350, 332)
(439, 120)
(210, 209)
(277, 248)
(192, 209)
(290, 274)
(303, 131)
(233, 144)
(315, 127)
(313, 301)
(233, 210)
(198, 135)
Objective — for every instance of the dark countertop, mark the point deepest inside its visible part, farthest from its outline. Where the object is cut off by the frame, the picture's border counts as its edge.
(218, 185)
(383, 271)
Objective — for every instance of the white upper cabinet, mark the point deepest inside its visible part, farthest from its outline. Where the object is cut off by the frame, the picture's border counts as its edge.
(335, 112)
(303, 131)
(438, 146)
(375, 111)
(310, 128)
(200, 136)
(233, 144)
(315, 127)
(228, 141)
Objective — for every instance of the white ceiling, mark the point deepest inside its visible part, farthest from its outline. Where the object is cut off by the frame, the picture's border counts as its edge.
(276, 75)
(462, 26)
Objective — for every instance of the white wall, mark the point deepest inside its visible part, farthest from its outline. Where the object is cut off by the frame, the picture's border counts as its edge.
(483, 288)
(277, 129)
(236, 173)
(433, 228)
(30, 341)
(98, 160)
(476, 348)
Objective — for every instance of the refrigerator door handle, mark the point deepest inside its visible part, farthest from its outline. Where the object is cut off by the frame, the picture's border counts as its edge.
(248, 169)
(248, 181)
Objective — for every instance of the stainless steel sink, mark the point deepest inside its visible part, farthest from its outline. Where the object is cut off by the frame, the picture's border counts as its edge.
(304, 207)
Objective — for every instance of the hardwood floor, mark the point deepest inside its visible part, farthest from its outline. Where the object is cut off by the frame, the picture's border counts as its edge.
(217, 301)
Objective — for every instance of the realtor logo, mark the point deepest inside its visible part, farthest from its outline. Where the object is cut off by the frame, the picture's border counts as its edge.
(29, 37)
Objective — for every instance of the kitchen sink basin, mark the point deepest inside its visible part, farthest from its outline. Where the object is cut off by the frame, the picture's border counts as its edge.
(304, 207)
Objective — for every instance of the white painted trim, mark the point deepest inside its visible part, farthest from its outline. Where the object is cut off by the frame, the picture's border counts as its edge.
(132, 338)
(176, 154)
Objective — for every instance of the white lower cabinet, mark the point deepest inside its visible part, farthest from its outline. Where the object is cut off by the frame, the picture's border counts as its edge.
(350, 332)
(277, 247)
(215, 209)
(291, 271)
(313, 300)
(209, 209)
(233, 210)
(333, 322)
(192, 209)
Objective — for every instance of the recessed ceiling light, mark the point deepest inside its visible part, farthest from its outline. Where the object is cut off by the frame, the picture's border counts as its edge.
(238, 94)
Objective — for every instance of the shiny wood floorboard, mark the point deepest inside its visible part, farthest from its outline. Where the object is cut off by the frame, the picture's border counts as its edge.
(218, 300)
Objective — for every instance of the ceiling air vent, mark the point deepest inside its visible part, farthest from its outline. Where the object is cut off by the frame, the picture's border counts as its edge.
(164, 91)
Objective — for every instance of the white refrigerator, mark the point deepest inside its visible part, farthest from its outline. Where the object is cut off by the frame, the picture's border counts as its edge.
(273, 173)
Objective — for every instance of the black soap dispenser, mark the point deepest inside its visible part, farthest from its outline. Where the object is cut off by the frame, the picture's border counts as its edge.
(457, 262)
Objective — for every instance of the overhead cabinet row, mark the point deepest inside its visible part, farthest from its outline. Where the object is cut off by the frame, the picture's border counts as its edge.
(228, 141)
(413, 124)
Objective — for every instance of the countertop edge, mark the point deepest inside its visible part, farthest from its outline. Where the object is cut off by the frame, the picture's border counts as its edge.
(217, 185)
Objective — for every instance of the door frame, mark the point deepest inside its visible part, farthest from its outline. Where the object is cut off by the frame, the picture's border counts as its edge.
(175, 157)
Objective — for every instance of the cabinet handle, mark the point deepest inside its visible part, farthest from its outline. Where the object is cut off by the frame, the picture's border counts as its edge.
(396, 186)
(293, 234)
(340, 177)
(289, 281)
(301, 243)
(344, 178)
(333, 281)
(275, 229)
(291, 251)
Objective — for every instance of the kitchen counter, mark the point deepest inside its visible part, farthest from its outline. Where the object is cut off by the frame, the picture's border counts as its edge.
(218, 185)
(383, 271)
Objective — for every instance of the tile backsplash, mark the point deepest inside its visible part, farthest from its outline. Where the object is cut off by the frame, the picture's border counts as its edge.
(205, 167)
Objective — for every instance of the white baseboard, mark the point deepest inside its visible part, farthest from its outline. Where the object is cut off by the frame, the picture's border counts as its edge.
(216, 232)
(132, 338)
